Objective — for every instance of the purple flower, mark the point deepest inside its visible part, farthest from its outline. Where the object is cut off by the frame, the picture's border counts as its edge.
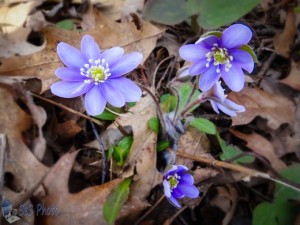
(177, 184)
(218, 101)
(100, 76)
(214, 57)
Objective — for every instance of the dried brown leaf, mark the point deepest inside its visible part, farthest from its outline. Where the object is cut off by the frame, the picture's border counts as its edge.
(84, 207)
(284, 40)
(21, 163)
(276, 109)
(261, 146)
(107, 33)
(293, 79)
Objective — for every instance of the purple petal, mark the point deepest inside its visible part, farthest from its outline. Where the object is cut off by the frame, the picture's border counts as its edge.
(208, 78)
(234, 78)
(112, 95)
(89, 48)
(70, 56)
(176, 193)
(167, 188)
(186, 179)
(242, 59)
(218, 91)
(94, 101)
(68, 89)
(68, 74)
(198, 67)
(130, 91)
(126, 64)
(189, 190)
(226, 110)
(209, 41)
(174, 201)
(236, 35)
(181, 169)
(232, 105)
(193, 52)
(214, 106)
(112, 55)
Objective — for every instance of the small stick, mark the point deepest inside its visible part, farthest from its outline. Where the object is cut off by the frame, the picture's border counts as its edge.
(3, 146)
(103, 152)
(68, 109)
(238, 168)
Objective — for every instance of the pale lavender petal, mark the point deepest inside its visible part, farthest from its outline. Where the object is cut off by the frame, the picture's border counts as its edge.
(234, 78)
(242, 59)
(189, 190)
(209, 41)
(198, 67)
(171, 171)
(226, 110)
(181, 169)
(218, 91)
(183, 72)
(68, 89)
(193, 52)
(187, 179)
(112, 95)
(112, 55)
(89, 48)
(126, 64)
(208, 78)
(94, 101)
(69, 74)
(232, 105)
(167, 189)
(176, 193)
(214, 106)
(129, 89)
(70, 56)
(174, 201)
(236, 35)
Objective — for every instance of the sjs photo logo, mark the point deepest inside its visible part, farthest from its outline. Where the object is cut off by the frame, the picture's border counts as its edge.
(12, 215)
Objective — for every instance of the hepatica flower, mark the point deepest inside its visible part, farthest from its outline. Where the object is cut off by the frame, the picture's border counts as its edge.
(219, 101)
(220, 55)
(98, 76)
(178, 184)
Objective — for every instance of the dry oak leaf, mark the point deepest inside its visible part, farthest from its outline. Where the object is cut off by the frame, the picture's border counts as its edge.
(84, 207)
(284, 40)
(261, 146)
(21, 163)
(276, 109)
(141, 161)
(107, 34)
(293, 79)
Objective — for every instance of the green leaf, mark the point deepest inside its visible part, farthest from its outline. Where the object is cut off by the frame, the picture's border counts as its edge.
(229, 152)
(168, 102)
(184, 91)
(297, 9)
(115, 201)
(204, 125)
(274, 214)
(121, 152)
(106, 115)
(248, 49)
(170, 12)
(153, 124)
(162, 145)
(131, 104)
(283, 193)
(67, 24)
(216, 13)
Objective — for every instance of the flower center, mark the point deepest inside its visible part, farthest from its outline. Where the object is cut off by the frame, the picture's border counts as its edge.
(173, 181)
(96, 71)
(219, 56)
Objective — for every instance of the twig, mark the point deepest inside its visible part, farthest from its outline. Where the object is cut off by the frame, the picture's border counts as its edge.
(68, 109)
(197, 101)
(171, 65)
(238, 168)
(172, 218)
(102, 150)
(3, 147)
(156, 69)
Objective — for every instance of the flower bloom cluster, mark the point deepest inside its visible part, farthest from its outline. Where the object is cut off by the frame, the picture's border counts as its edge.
(99, 76)
(221, 55)
(178, 184)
